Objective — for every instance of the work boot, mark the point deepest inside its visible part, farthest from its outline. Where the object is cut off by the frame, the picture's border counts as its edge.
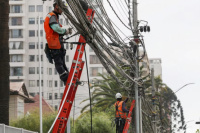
(64, 77)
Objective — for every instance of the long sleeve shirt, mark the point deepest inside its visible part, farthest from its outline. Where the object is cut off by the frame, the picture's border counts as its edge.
(55, 25)
(124, 105)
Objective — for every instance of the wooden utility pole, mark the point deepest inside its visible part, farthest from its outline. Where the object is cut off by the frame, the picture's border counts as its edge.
(4, 63)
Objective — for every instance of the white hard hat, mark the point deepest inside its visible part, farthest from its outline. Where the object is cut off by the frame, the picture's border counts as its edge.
(118, 95)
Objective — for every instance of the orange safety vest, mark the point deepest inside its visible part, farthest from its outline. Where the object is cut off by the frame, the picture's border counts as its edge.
(120, 112)
(52, 37)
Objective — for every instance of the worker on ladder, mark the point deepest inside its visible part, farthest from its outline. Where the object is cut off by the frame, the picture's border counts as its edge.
(54, 49)
(120, 115)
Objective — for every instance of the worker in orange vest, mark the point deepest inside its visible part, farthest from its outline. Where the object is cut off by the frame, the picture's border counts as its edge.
(120, 115)
(54, 49)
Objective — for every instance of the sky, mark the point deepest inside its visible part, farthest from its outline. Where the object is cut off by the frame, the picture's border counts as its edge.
(175, 38)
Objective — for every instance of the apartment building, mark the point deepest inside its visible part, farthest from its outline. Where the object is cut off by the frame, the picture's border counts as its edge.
(156, 64)
(25, 18)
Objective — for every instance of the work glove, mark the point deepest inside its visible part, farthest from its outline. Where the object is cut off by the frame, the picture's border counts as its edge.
(69, 31)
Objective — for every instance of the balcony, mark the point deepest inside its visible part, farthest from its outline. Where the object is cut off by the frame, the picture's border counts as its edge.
(16, 73)
(17, 64)
(16, 14)
(16, 27)
(16, 2)
(16, 51)
(17, 77)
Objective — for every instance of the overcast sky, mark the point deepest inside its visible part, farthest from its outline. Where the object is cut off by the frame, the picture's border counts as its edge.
(175, 38)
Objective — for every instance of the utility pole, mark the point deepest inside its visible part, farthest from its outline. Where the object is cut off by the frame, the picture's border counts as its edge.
(138, 121)
(40, 89)
(153, 97)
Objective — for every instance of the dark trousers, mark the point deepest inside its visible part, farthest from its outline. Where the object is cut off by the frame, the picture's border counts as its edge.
(120, 123)
(59, 60)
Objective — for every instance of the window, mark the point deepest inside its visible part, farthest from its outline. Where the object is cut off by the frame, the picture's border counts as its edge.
(41, 33)
(66, 21)
(56, 83)
(61, 21)
(67, 58)
(61, 95)
(16, 71)
(31, 58)
(61, 83)
(38, 83)
(50, 83)
(32, 8)
(16, 9)
(41, 45)
(16, 58)
(16, 33)
(31, 83)
(31, 45)
(94, 59)
(56, 95)
(41, 20)
(32, 94)
(40, 59)
(31, 20)
(31, 33)
(16, 21)
(50, 71)
(31, 70)
(56, 107)
(15, 45)
(50, 96)
(95, 70)
(55, 71)
(38, 70)
(50, 9)
(67, 46)
(39, 8)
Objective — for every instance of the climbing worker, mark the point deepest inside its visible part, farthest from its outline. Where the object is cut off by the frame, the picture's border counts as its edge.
(120, 115)
(54, 49)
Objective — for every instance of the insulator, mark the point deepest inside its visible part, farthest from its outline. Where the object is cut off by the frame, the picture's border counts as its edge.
(141, 29)
(145, 28)
(148, 28)
(71, 46)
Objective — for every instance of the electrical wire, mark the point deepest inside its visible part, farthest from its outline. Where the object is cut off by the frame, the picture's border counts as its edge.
(89, 88)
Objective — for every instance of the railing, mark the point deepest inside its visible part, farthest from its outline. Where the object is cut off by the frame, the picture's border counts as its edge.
(9, 129)
(14, 11)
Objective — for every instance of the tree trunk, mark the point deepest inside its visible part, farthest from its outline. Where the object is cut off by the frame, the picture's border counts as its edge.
(4, 62)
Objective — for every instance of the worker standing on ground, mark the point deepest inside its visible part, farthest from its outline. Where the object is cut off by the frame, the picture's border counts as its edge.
(120, 108)
(55, 50)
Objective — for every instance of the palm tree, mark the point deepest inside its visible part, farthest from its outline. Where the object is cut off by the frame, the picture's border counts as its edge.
(104, 92)
(4, 62)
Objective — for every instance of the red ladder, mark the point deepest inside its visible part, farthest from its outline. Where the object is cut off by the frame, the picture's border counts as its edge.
(129, 118)
(69, 94)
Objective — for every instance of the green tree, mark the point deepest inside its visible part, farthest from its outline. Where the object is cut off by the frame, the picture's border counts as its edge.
(101, 123)
(31, 122)
(104, 92)
(4, 63)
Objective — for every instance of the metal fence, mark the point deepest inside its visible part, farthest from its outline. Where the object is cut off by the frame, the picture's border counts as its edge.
(8, 129)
